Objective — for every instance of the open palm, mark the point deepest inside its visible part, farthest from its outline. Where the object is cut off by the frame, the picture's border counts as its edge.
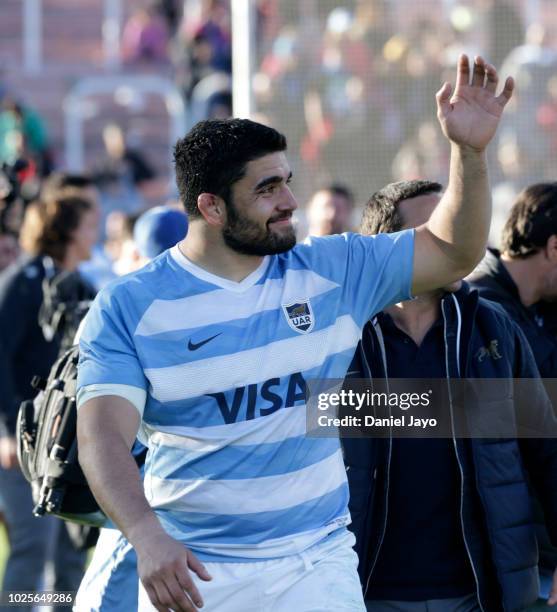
(470, 116)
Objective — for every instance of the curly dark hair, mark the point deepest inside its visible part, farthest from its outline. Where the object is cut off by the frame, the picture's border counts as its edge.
(214, 154)
(381, 214)
(532, 221)
(48, 226)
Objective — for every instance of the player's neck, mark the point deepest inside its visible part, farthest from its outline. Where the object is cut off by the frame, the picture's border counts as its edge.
(215, 257)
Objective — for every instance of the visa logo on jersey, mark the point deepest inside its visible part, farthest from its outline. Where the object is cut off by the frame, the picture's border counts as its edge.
(256, 400)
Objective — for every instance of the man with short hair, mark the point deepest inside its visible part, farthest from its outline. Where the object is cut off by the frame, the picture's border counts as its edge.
(444, 524)
(330, 210)
(523, 280)
(524, 274)
(206, 351)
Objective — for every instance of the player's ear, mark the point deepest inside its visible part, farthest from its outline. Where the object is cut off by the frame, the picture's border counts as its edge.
(551, 248)
(212, 208)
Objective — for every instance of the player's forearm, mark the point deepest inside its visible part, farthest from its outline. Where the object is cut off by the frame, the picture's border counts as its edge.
(461, 220)
(116, 483)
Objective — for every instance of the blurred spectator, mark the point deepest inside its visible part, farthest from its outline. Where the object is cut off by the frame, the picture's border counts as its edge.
(9, 248)
(57, 235)
(219, 105)
(120, 243)
(211, 98)
(145, 37)
(330, 211)
(159, 229)
(11, 202)
(60, 184)
(119, 228)
(203, 44)
(202, 58)
(122, 175)
(135, 239)
(96, 270)
(9, 199)
(111, 258)
(122, 162)
(23, 137)
(212, 24)
(170, 10)
(531, 122)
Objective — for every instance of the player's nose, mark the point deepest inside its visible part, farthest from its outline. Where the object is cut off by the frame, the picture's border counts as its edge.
(288, 201)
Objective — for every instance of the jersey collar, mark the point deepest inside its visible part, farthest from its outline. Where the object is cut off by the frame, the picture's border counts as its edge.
(209, 277)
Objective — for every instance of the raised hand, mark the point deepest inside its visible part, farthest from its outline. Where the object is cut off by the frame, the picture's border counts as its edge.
(469, 117)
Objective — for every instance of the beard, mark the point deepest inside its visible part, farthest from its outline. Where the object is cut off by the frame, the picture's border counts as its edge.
(247, 237)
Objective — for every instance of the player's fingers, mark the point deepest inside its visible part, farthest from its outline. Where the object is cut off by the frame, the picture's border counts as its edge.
(180, 601)
(463, 72)
(443, 97)
(507, 92)
(187, 584)
(154, 597)
(196, 566)
(478, 77)
(492, 78)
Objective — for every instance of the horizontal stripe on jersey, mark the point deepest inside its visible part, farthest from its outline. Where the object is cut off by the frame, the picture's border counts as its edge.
(225, 367)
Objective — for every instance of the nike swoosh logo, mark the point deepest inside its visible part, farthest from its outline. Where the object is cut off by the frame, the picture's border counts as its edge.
(193, 346)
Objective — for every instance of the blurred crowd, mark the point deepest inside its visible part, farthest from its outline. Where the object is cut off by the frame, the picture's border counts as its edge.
(351, 84)
(194, 38)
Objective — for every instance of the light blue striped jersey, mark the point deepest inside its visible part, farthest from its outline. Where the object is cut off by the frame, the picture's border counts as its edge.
(229, 470)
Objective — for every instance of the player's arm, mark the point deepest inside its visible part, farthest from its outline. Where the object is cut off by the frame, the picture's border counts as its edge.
(106, 428)
(453, 241)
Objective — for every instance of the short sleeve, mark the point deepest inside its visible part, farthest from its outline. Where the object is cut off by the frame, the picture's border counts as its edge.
(107, 355)
(374, 271)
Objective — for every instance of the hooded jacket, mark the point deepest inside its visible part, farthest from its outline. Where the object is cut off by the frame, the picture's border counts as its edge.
(493, 282)
(500, 539)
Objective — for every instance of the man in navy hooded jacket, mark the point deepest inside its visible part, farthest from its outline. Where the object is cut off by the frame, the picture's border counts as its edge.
(446, 524)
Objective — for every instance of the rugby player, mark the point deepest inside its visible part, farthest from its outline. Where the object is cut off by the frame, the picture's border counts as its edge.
(207, 350)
